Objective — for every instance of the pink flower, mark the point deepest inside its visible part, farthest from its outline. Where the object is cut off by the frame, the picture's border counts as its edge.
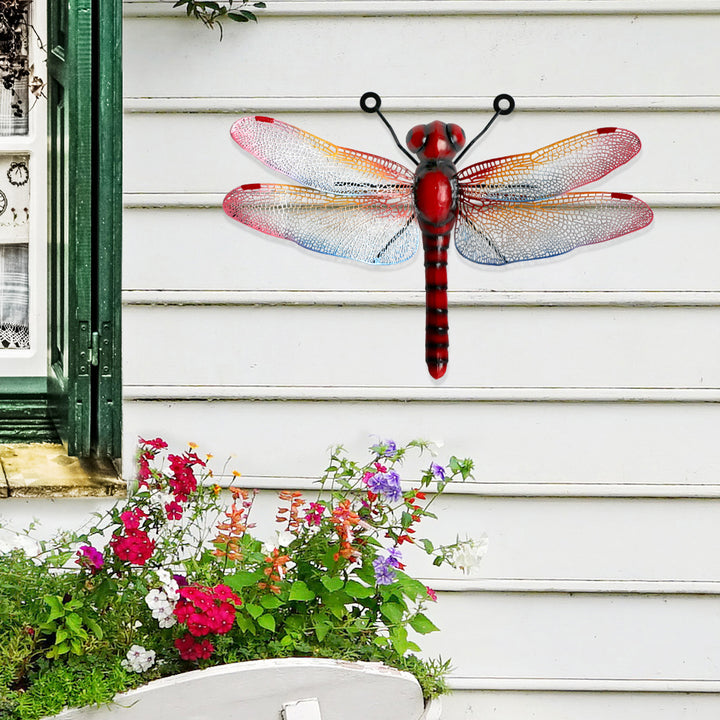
(314, 515)
(90, 558)
(431, 593)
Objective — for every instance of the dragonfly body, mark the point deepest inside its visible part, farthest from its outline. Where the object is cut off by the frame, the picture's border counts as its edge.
(368, 208)
(435, 191)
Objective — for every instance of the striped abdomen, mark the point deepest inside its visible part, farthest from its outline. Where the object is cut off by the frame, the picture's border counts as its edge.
(436, 307)
(436, 193)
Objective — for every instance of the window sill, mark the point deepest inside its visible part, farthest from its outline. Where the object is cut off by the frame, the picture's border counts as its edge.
(36, 470)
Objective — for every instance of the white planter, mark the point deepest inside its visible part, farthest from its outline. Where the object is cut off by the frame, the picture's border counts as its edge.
(270, 690)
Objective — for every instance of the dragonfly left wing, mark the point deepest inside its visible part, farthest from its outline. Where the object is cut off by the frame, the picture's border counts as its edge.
(374, 229)
(315, 162)
(496, 233)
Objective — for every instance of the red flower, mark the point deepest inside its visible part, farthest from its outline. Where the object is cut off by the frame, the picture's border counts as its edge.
(183, 482)
(191, 649)
(131, 518)
(156, 444)
(135, 547)
(174, 510)
(206, 610)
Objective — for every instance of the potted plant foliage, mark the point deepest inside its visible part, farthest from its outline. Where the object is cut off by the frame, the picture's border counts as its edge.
(176, 579)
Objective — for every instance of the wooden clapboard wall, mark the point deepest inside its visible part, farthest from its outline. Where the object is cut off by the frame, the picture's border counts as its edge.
(585, 386)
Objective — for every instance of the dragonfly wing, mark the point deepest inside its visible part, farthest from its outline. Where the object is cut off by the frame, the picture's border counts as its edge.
(317, 163)
(552, 170)
(369, 228)
(496, 233)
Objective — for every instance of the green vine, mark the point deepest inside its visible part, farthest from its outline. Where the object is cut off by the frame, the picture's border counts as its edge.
(211, 13)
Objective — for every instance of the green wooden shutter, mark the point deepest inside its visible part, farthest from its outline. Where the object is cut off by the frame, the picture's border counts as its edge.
(108, 230)
(84, 86)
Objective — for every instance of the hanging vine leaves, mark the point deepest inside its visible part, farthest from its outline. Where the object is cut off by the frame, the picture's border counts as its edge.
(211, 13)
(13, 47)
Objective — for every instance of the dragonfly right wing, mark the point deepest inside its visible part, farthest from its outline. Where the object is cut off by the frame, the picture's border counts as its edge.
(552, 170)
(309, 160)
(375, 229)
(496, 233)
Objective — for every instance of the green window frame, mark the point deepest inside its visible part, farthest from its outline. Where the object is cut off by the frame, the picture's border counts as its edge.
(79, 400)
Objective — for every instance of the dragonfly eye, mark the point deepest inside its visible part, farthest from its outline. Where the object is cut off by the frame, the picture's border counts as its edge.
(456, 136)
(416, 138)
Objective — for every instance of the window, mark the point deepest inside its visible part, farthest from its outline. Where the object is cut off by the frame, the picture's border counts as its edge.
(74, 396)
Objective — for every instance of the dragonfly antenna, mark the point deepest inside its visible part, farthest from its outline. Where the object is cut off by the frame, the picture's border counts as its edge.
(375, 108)
(503, 104)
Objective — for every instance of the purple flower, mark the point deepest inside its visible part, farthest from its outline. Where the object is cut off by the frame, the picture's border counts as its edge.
(89, 558)
(394, 558)
(384, 574)
(438, 471)
(384, 566)
(386, 484)
(181, 580)
(386, 448)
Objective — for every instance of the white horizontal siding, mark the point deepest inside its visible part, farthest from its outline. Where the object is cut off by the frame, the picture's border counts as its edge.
(560, 448)
(585, 387)
(590, 704)
(200, 154)
(591, 55)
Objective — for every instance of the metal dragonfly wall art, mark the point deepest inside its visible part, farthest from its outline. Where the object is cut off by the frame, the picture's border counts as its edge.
(368, 208)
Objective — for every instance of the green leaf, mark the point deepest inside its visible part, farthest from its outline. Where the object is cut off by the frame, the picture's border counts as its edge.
(428, 546)
(94, 627)
(74, 622)
(244, 623)
(241, 579)
(255, 611)
(399, 641)
(270, 602)
(237, 17)
(267, 622)
(259, 5)
(61, 635)
(411, 587)
(56, 608)
(301, 592)
(358, 591)
(392, 611)
(322, 626)
(333, 584)
(422, 624)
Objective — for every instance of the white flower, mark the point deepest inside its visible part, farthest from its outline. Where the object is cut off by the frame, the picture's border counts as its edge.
(162, 607)
(156, 599)
(467, 554)
(169, 584)
(138, 659)
(165, 617)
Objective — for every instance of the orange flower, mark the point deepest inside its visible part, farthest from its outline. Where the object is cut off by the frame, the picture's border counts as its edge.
(344, 519)
(293, 518)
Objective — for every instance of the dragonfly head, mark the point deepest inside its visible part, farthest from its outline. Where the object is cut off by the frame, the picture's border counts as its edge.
(436, 140)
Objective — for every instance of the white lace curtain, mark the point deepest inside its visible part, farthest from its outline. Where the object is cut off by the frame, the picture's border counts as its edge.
(14, 326)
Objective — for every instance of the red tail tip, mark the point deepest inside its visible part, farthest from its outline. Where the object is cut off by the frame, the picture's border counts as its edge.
(437, 370)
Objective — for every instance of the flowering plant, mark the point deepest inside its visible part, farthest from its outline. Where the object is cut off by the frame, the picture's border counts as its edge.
(176, 577)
